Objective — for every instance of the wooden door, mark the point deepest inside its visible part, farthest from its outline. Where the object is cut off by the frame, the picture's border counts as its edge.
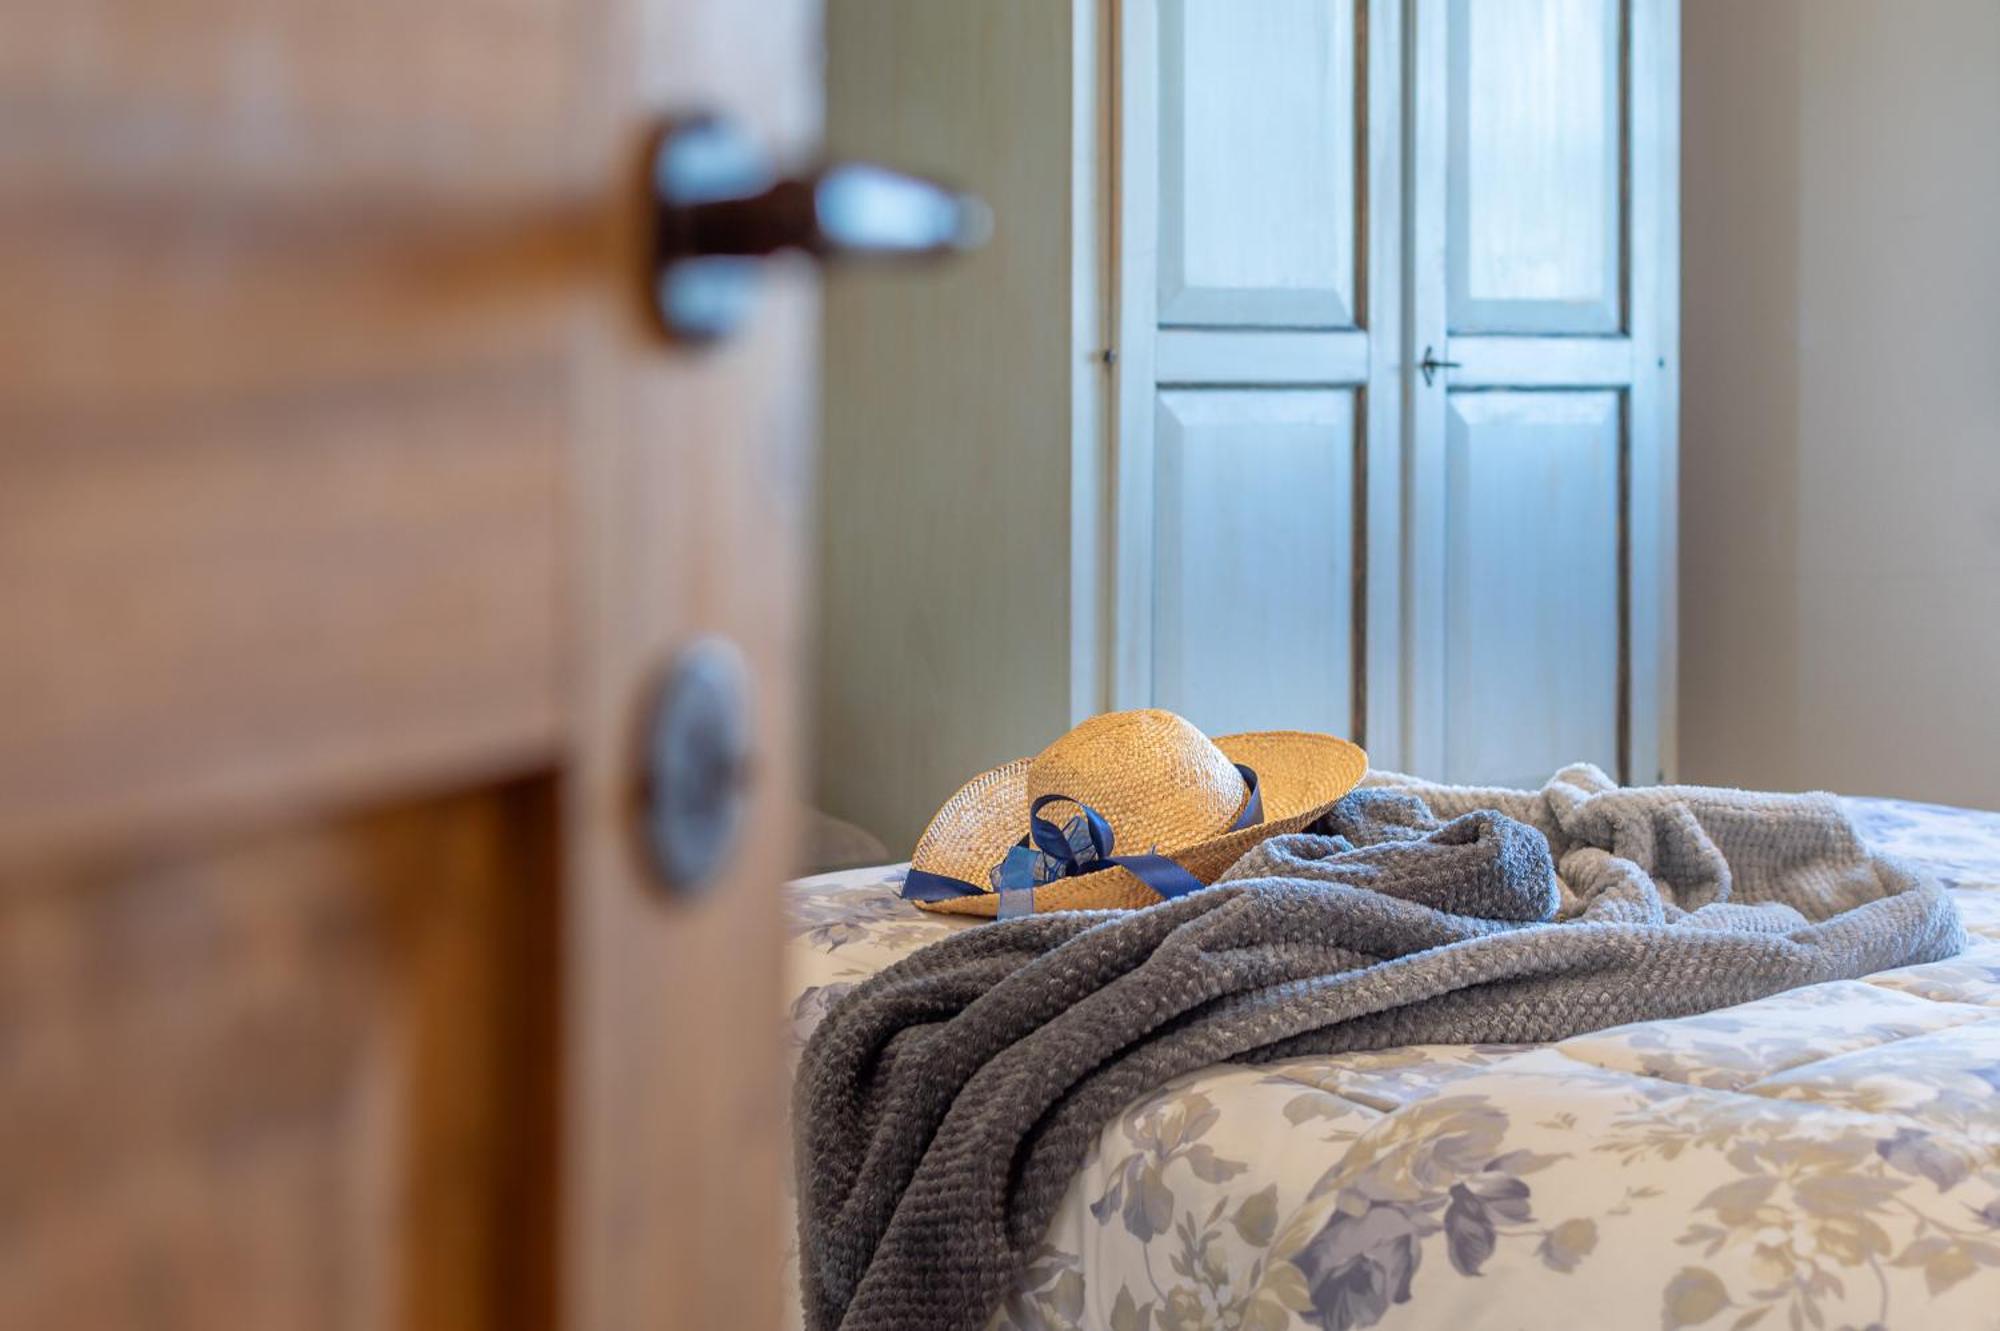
(349, 511)
(1256, 514)
(1542, 467)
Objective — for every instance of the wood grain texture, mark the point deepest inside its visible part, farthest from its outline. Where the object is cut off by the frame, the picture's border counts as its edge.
(297, 1080)
(1652, 503)
(295, 97)
(1260, 358)
(1535, 226)
(283, 308)
(691, 486)
(241, 607)
(1308, 208)
(1259, 111)
(1608, 324)
(284, 396)
(337, 469)
(1254, 593)
(1532, 583)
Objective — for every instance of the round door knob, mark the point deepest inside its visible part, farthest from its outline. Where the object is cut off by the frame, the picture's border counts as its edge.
(719, 210)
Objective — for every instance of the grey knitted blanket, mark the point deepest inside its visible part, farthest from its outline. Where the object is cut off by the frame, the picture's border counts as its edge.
(943, 1106)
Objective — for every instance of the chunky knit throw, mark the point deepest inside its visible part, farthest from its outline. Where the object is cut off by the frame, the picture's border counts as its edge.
(944, 1105)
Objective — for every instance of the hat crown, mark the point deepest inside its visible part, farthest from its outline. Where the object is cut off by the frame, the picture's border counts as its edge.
(1157, 780)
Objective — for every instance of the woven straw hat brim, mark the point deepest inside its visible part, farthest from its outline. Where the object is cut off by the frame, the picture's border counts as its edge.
(1299, 776)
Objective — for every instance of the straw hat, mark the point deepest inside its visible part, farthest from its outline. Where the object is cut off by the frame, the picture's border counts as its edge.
(1125, 810)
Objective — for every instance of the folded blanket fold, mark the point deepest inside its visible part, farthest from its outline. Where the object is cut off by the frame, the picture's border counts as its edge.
(944, 1105)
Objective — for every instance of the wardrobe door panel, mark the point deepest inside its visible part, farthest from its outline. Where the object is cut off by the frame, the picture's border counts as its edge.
(1255, 552)
(1258, 186)
(1532, 575)
(1535, 125)
(1257, 505)
(1542, 414)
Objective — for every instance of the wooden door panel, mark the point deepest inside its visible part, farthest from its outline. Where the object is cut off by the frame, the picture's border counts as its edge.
(299, 1079)
(287, 369)
(1536, 184)
(1258, 175)
(690, 489)
(301, 96)
(1533, 578)
(237, 607)
(1255, 550)
(675, 1102)
(287, 307)
(1260, 225)
(1542, 429)
(339, 470)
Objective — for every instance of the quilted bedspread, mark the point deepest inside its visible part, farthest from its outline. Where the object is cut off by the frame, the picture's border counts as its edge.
(1824, 1158)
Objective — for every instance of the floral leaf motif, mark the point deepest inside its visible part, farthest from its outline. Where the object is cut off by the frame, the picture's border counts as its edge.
(1256, 1220)
(1468, 1231)
(1184, 1312)
(1359, 1264)
(1517, 1163)
(1922, 1250)
(1460, 1142)
(1198, 1115)
(1313, 1104)
(1210, 1167)
(1266, 1315)
(1113, 1198)
(1284, 1286)
(836, 934)
(1945, 1263)
(1129, 1315)
(1149, 1203)
(1563, 1247)
(1336, 1172)
(1914, 1152)
(1841, 1206)
(1505, 1197)
(1691, 1298)
(1831, 1194)
(1067, 1295)
(818, 1000)
(1736, 1203)
(1143, 1128)
(1049, 1296)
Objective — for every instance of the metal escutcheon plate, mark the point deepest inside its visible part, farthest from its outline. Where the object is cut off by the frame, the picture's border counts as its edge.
(697, 761)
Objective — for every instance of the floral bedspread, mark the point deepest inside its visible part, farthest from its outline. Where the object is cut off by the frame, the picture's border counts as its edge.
(1824, 1158)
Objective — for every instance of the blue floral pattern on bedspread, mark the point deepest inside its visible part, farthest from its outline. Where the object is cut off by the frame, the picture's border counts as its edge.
(1824, 1158)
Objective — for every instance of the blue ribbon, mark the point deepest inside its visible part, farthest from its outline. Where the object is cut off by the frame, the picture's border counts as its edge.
(1155, 871)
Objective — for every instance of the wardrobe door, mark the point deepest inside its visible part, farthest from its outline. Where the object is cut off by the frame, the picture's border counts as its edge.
(1254, 505)
(1543, 270)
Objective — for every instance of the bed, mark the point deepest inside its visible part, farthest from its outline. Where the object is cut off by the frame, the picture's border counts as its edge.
(1824, 1158)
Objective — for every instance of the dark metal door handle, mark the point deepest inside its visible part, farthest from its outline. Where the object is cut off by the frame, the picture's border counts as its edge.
(1430, 365)
(718, 210)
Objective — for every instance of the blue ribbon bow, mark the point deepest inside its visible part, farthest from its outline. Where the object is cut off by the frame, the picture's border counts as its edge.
(1065, 859)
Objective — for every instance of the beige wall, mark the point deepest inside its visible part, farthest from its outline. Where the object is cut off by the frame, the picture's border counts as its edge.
(1840, 436)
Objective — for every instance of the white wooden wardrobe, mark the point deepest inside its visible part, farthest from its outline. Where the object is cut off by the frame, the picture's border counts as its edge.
(1322, 375)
